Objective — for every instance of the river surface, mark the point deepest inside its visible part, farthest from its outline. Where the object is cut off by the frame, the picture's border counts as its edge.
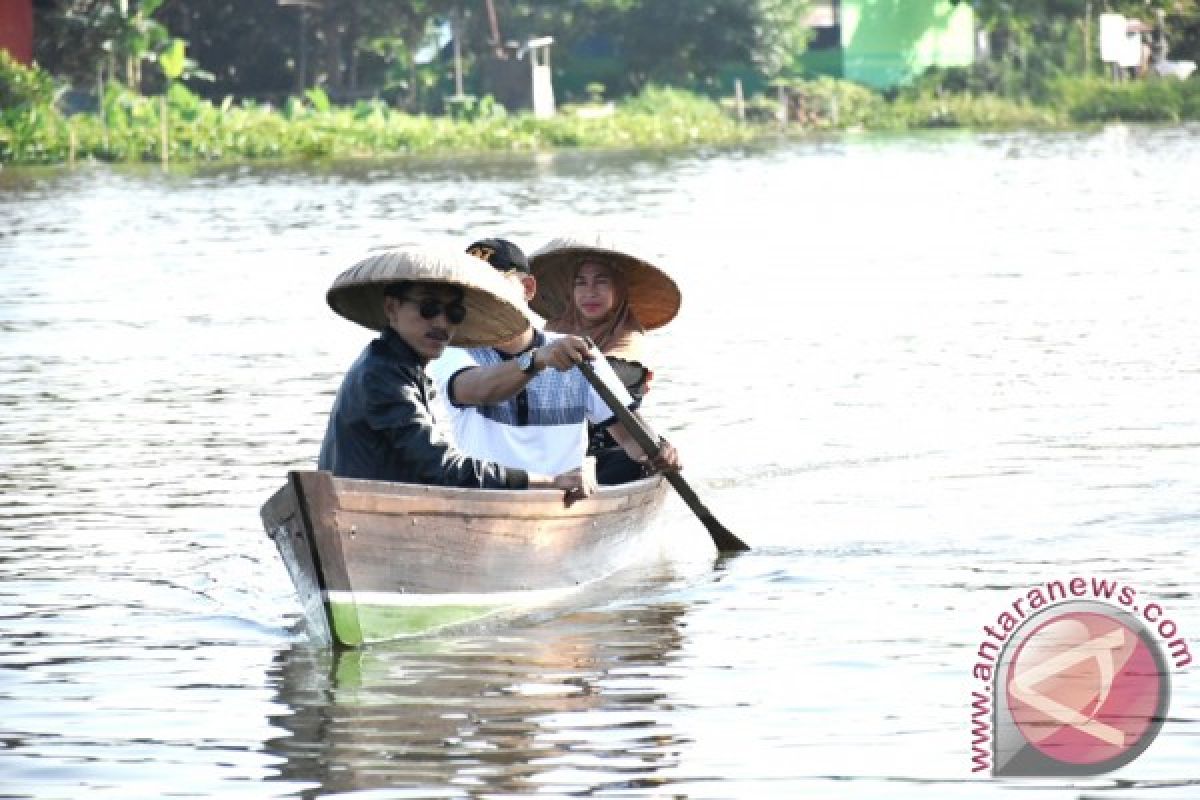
(920, 375)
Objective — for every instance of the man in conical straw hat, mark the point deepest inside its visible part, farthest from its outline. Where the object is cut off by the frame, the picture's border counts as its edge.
(520, 401)
(382, 426)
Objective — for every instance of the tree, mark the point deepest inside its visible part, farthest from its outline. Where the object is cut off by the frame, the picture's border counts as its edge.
(251, 47)
(627, 44)
(398, 31)
(260, 48)
(85, 35)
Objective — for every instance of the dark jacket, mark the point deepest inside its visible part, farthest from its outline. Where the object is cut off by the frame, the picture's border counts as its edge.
(382, 428)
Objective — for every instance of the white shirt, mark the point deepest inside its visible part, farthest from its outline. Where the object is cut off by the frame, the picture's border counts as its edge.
(542, 428)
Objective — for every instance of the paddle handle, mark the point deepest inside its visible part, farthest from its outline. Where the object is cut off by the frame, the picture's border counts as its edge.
(638, 431)
(722, 537)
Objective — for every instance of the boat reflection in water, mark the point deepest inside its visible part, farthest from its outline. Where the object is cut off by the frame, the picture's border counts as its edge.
(500, 711)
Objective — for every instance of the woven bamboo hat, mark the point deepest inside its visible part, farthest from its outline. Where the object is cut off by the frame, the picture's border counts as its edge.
(495, 307)
(653, 295)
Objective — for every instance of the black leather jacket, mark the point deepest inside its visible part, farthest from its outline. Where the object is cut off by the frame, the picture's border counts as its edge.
(382, 428)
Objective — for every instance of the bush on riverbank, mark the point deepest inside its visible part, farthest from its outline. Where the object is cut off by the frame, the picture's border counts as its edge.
(962, 110)
(126, 126)
(826, 103)
(21, 86)
(1150, 100)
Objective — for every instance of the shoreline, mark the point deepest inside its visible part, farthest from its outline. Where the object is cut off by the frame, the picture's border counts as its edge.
(465, 158)
(130, 129)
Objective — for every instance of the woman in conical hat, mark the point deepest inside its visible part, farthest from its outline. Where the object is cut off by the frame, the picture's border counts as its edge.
(383, 426)
(588, 287)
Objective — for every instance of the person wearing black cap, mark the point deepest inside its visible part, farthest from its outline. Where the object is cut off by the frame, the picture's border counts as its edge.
(520, 402)
(501, 254)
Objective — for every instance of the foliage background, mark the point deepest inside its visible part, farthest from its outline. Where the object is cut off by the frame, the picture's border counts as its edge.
(398, 49)
(229, 79)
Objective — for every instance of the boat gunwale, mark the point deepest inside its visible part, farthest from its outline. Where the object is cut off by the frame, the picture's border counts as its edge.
(542, 496)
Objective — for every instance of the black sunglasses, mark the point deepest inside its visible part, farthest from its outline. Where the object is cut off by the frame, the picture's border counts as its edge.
(430, 307)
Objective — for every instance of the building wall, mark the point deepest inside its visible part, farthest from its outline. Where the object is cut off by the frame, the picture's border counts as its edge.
(16, 29)
(887, 43)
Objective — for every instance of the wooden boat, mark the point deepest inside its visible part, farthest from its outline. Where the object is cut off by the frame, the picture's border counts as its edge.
(375, 560)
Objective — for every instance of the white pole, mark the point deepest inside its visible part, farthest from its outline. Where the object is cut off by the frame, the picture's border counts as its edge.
(458, 76)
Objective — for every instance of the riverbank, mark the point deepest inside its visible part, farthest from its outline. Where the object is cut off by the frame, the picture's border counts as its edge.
(180, 126)
(130, 128)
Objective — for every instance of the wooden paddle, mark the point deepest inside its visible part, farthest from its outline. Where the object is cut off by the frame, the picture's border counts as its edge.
(725, 541)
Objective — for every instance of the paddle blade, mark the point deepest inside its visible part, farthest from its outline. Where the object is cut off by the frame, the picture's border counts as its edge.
(722, 537)
(725, 541)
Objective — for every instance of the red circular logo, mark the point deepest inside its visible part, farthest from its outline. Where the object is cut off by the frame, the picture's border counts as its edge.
(1085, 688)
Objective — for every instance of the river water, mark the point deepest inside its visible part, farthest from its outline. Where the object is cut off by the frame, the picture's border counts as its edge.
(920, 375)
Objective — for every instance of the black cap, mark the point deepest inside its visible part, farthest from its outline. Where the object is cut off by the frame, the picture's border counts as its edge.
(501, 254)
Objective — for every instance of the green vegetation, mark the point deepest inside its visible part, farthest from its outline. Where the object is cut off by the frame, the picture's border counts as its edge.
(128, 126)
(1064, 101)
(399, 49)
(181, 126)
(1098, 100)
(378, 78)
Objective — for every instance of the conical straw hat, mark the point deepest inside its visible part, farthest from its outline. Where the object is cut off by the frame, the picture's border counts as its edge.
(653, 295)
(495, 307)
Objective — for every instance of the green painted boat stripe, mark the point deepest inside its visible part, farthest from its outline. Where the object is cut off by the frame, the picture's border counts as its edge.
(360, 617)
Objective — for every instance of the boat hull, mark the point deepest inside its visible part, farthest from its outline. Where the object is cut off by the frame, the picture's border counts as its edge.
(375, 560)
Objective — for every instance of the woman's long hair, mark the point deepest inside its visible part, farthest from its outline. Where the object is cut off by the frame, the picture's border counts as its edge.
(619, 333)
